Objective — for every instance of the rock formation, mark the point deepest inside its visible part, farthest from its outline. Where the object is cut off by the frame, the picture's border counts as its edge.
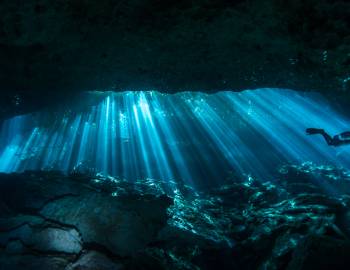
(52, 51)
(49, 220)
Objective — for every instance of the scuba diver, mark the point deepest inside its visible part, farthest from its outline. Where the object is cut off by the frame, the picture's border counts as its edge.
(337, 140)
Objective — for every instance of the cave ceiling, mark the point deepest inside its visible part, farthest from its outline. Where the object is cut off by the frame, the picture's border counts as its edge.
(53, 50)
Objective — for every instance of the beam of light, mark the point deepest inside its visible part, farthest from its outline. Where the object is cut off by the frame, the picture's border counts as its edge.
(154, 140)
(141, 142)
(282, 121)
(171, 141)
(193, 137)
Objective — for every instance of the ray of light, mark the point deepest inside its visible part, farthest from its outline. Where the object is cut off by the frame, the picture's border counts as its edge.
(191, 137)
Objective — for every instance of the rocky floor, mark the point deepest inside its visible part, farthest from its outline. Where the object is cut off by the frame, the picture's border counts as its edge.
(301, 220)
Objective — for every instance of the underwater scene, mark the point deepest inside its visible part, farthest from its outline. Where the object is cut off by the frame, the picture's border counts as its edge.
(258, 179)
(195, 138)
(174, 135)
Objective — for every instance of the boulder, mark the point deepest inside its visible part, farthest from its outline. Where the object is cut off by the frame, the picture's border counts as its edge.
(94, 260)
(45, 240)
(317, 252)
(122, 225)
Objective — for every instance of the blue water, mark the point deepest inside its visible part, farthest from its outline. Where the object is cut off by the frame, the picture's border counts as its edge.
(193, 137)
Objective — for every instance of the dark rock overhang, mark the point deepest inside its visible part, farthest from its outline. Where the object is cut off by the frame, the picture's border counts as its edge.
(52, 51)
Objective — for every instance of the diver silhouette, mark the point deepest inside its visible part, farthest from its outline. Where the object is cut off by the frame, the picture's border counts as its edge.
(337, 140)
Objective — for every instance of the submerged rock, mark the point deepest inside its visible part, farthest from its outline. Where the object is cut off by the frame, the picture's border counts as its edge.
(97, 222)
(122, 225)
(93, 260)
(33, 262)
(316, 252)
(45, 240)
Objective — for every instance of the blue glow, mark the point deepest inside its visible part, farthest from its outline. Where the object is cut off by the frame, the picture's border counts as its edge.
(193, 137)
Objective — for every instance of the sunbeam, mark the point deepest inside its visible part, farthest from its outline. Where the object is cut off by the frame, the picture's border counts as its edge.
(192, 137)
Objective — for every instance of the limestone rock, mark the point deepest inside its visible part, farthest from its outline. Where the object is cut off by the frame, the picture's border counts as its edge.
(94, 260)
(32, 262)
(321, 253)
(78, 224)
(67, 47)
(122, 225)
(54, 240)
